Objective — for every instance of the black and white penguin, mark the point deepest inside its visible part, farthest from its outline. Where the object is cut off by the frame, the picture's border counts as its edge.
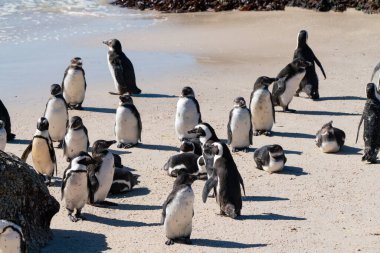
(128, 124)
(239, 127)
(3, 136)
(270, 158)
(101, 175)
(191, 146)
(76, 139)
(178, 210)
(309, 83)
(74, 84)
(189, 162)
(4, 116)
(330, 139)
(371, 118)
(75, 189)
(123, 181)
(204, 132)
(225, 181)
(188, 114)
(56, 114)
(43, 154)
(11, 238)
(121, 68)
(261, 106)
(288, 82)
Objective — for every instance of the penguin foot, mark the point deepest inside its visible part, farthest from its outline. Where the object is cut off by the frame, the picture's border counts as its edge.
(73, 218)
(297, 95)
(169, 242)
(235, 150)
(256, 133)
(114, 93)
(11, 137)
(60, 144)
(246, 150)
(267, 133)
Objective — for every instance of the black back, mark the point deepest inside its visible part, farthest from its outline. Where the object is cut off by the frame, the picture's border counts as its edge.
(189, 160)
(4, 116)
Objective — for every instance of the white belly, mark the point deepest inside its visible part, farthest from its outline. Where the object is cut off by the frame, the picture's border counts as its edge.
(76, 191)
(75, 141)
(179, 214)
(186, 118)
(10, 240)
(330, 147)
(126, 127)
(291, 87)
(112, 74)
(56, 114)
(240, 126)
(74, 85)
(274, 166)
(3, 139)
(261, 109)
(105, 177)
(41, 157)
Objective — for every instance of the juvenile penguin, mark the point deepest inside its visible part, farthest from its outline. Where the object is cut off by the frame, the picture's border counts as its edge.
(3, 136)
(192, 146)
(330, 139)
(189, 162)
(41, 147)
(121, 68)
(270, 158)
(11, 238)
(76, 139)
(101, 175)
(128, 124)
(56, 114)
(74, 84)
(178, 210)
(123, 181)
(261, 106)
(371, 118)
(75, 189)
(188, 114)
(288, 82)
(225, 181)
(4, 116)
(309, 83)
(204, 132)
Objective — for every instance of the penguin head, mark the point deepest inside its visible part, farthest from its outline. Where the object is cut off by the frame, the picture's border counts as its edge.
(370, 90)
(187, 146)
(275, 150)
(42, 124)
(76, 122)
(302, 37)
(84, 159)
(101, 145)
(204, 132)
(55, 89)
(2, 124)
(300, 64)
(239, 102)
(184, 178)
(264, 82)
(125, 99)
(113, 45)
(76, 62)
(187, 92)
(327, 130)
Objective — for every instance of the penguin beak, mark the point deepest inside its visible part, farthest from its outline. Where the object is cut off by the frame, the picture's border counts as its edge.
(109, 143)
(105, 42)
(193, 131)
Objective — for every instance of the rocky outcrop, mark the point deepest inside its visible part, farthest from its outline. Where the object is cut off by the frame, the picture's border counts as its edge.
(26, 201)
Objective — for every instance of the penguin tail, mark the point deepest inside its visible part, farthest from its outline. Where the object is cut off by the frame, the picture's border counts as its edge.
(26, 153)
(230, 211)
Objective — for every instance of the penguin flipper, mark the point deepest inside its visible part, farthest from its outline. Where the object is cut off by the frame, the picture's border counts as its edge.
(340, 136)
(52, 156)
(88, 141)
(320, 65)
(377, 68)
(318, 139)
(241, 182)
(166, 203)
(278, 89)
(229, 132)
(198, 108)
(250, 122)
(27, 151)
(210, 184)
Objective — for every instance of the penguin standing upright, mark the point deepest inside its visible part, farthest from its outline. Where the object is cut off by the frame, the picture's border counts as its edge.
(76, 139)
(309, 83)
(43, 154)
(330, 139)
(4, 116)
(3, 136)
(270, 158)
(56, 114)
(128, 124)
(178, 210)
(11, 238)
(74, 84)
(288, 82)
(121, 69)
(261, 106)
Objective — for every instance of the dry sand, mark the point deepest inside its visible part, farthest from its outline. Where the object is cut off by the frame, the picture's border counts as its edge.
(320, 203)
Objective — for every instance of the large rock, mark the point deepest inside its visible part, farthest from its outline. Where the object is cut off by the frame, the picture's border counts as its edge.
(26, 201)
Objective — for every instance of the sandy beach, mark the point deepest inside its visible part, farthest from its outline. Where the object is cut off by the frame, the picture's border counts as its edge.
(319, 203)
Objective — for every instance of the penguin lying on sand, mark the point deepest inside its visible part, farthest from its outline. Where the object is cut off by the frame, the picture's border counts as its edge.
(270, 158)
(330, 139)
(188, 162)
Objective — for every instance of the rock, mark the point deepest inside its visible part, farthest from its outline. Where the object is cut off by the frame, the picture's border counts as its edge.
(26, 201)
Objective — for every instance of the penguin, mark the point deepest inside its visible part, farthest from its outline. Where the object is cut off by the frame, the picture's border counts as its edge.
(74, 84)
(261, 106)
(225, 181)
(178, 210)
(371, 120)
(101, 173)
(43, 154)
(128, 124)
(309, 83)
(123, 181)
(57, 115)
(4, 116)
(192, 146)
(121, 68)
(288, 82)
(3, 136)
(330, 139)
(239, 127)
(270, 158)
(188, 114)
(189, 162)
(12, 239)
(75, 189)
(205, 133)
(76, 139)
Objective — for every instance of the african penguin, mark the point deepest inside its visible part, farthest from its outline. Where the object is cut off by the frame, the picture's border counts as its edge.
(226, 181)
(4, 116)
(57, 115)
(121, 68)
(43, 154)
(74, 84)
(309, 83)
(123, 181)
(178, 210)
(189, 162)
(204, 132)
(261, 106)
(330, 139)
(3, 136)
(288, 82)
(76, 139)
(11, 238)
(188, 114)
(192, 146)
(270, 158)
(128, 124)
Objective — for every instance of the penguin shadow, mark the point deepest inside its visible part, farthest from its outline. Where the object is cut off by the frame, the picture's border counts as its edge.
(135, 192)
(225, 244)
(294, 135)
(269, 216)
(154, 95)
(262, 198)
(99, 109)
(116, 222)
(19, 141)
(347, 150)
(326, 113)
(292, 152)
(120, 151)
(293, 170)
(132, 207)
(340, 98)
(157, 147)
(69, 241)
